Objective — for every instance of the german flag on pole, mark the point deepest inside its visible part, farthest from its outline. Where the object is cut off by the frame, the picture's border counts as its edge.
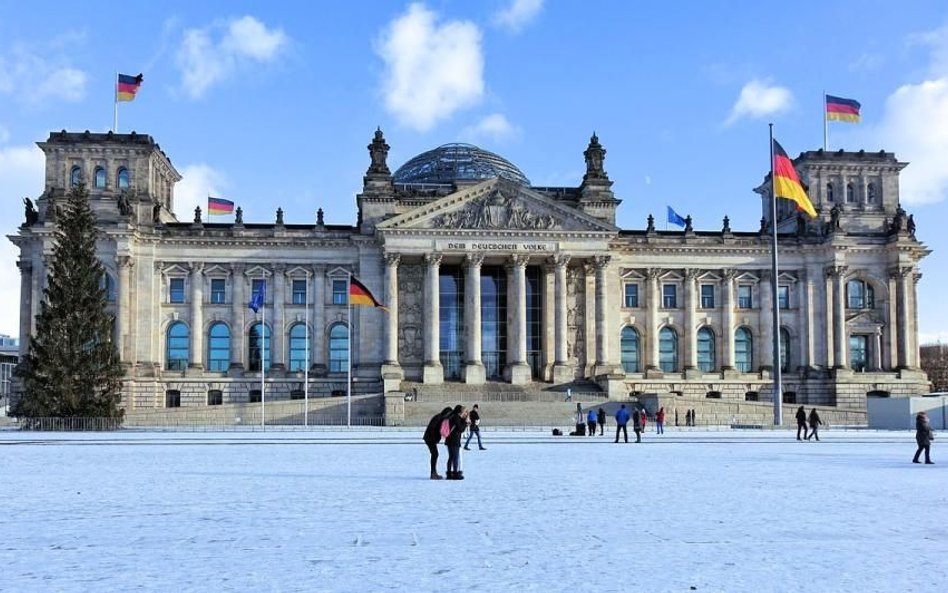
(840, 109)
(360, 295)
(787, 183)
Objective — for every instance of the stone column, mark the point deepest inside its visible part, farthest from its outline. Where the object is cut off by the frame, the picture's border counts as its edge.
(238, 304)
(589, 318)
(561, 371)
(320, 338)
(391, 320)
(877, 351)
(518, 370)
(26, 306)
(433, 371)
(840, 350)
(653, 301)
(474, 373)
(601, 263)
(123, 297)
(830, 309)
(278, 334)
(197, 317)
(805, 321)
(904, 317)
(728, 329)
(690, 332)
(765, 318)
(547, 321)
(914, 354)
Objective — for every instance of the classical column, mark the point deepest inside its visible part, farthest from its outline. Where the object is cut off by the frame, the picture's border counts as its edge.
(197, 316)
(278, 334)
(237, 306)
(26, 305)
(547, 320)
(654, 302)
(518, 370)
(474, 373)
(830, 310)
(766, 324)
(690, 333)
(805, 321)
(319, 366)
(877, 351)
(914, 354)
(391, 320)
(601, 263)
(589, 318)
(904, 301)
(840, 351)
(433, 371)
(728, 329)
(890, 331)
(561, 371)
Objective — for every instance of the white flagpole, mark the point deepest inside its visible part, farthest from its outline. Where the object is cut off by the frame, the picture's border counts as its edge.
(775, 300)
(306, 363)
(349, 343)
(263, 357)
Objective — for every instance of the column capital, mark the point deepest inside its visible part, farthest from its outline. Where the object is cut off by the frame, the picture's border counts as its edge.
(237, 268)
(125, 261)
(728, 274)
(691, 273)
(25, 266)
(561, 260)
(601, 261)
(835, 271)
(519, 260)
(653, 273)
(392, 259)
(197, 267)
(433, 260)
(474, 260)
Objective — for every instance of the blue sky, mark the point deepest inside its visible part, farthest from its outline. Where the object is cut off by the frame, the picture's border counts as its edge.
(273, 105)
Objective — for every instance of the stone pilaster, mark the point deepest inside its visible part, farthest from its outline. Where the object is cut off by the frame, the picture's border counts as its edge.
(904, 317)
(768, 300)
(278, 334)
(840, 350)
(653, 301)
(601, 263)
(124, 333)
(728, 329)
(433, 372)
(474, 373)
(26, 305)
(690, 332)
(830, 310)
(392, 373)
(319, 366)
(196, 364)
(562, 373)
(237, 326)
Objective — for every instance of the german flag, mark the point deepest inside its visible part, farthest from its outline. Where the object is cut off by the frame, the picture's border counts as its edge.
(787, 183)
(360, 295)
(127, 87)
(840, 109)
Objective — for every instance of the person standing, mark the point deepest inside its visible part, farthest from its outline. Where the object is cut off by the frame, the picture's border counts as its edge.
(801, 422)
(591, 418)
(580, 420)
(474, 428)
(458, 422)
(637, 424)
(601, 419)
(622, 421)
(660, 421)
(815, 421)
(923, 436)
(432, 437)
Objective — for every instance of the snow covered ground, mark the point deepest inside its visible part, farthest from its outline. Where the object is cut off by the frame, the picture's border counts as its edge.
(317, 511)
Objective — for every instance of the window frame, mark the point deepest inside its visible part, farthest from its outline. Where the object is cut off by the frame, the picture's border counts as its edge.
(176, 296)
(176, 345)
(296, 348)
(75, 176)
(668, 357)
(213, 293)
(262, 344)
(745, 301)
(123, 179)
(299, 297)
(669, 295)
(338, 350)
(99, 177)
(783, 296)
(744, 359)
(707, 300)
(630, 348)
(339, 291)
(213, 346)
(710, 363)
(630, 295)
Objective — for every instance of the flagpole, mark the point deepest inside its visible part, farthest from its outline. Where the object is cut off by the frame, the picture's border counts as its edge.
(775, 300)
(349, 344)
(306, 363)
(115, 105)
(825, 126)
(263, 357)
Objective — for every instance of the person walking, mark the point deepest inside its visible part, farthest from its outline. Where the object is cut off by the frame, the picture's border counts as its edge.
(637, 424)
(801, 422)
(923, 436)
(622, 421)
(474, 428)
(592, 417)
(814, 420)
(432, 437)
(458, 422)
(660, 421)
(601, 420)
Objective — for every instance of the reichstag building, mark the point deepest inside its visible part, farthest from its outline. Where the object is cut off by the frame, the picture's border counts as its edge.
(491, 280)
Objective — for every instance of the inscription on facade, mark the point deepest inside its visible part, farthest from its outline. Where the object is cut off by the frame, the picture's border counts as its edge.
(477, 246)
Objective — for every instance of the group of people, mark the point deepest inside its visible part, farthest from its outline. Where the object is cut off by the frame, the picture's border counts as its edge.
(449, 424)
(814, 421)
(639, 420)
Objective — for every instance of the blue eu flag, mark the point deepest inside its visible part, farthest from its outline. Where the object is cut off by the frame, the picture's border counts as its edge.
(256, 301)
(674, 218)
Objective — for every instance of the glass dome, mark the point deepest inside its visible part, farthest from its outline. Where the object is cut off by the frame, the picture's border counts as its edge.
(457, 162)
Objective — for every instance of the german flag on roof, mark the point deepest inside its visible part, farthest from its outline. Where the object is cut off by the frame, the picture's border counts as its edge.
(787, 183)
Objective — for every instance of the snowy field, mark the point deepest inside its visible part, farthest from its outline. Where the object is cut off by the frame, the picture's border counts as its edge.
(354, 511)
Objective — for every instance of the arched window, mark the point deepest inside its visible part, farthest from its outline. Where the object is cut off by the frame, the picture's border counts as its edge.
(123, 178)
(850, 193)
(668, 350)
(705, 350)
(176, 351)
(99, 177)
(871, 193)
(107, 285)
(218, 348)
(298, 347)
(829, 192)
(338, 348)
(859, 295)
(743, 350)
(75, 176)
(630, 349)
(784, 350)
(258, 347)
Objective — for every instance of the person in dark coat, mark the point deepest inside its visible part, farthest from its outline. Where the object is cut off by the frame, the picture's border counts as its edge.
(433, 437)
(923, 436)
(601, 420)
(801, 422)
(814, 420)
(591, 418)
(458, 420)
(474, 428)
(622, 421)
(637, 424)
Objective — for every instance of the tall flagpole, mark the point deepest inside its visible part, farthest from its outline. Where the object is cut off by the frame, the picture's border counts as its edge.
(306, 364)
(115, 106)
(263, 357)
(775, 300)
(825, 125)
(349, 343)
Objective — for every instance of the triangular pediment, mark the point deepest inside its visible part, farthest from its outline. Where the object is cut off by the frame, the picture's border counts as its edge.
(497, 205)
(217, 271)
(257, 272)
(298, 272)
(864, 321)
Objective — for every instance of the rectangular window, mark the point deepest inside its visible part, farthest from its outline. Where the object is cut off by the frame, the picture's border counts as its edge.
(172, 398)
(254, 396)
(858, 352)
(744, 297)
(340, 291)
(669, 296)
(218, 286)
(783, 297)
(215, 397)
(176, 290)
(299, 292)
(707, 296)
(631, 296)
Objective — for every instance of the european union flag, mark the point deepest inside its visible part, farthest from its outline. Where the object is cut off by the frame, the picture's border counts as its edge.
(256, 301)
(674, 218)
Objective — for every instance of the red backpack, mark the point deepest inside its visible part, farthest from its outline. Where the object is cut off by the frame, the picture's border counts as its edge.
(445, 428)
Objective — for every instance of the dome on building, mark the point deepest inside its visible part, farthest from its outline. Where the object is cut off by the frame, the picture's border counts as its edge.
(457, 162)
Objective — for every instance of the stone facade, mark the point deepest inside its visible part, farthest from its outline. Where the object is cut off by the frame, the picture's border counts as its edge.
(489, 279)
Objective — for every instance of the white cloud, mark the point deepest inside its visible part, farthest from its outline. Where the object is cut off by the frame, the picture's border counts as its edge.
(31, 78)
(197, 183)
(495, 127)
(518, 14)
(213, 54)
(432, 69)
(758, 99)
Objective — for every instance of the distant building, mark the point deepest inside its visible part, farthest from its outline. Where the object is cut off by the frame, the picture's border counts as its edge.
(489, 278)
(9, 355)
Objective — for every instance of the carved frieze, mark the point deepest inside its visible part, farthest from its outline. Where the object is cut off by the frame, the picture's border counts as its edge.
(411, 321)
(498, 211)
(575, 315)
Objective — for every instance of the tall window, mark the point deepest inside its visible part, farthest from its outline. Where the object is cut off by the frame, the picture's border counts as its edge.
(218, 348)
(668, 350)
(850, 193)
(784, 350)
(176, 351)
(669, 296)
(108, 287)
(744, 300)
(257, 345)
(858, 352)
(534, 320)
(75, 176)
(743, 350)
(298, 347)
(123, 178)
(176, 290)
(631, 296)
(299, 292)
(340, 292)
(493, 320)
(705, 350)
(451, 319)
(829, 192)
(218, 291)
(783, 297)
(859, 295)
(338, 348)
(871, 193)
(99, 177)
(630, 349)
(707, 296)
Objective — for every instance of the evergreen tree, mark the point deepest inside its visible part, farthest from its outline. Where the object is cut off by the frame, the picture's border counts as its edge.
(72, 367)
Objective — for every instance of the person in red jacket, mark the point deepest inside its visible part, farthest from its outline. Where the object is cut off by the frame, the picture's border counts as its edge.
(660, 421)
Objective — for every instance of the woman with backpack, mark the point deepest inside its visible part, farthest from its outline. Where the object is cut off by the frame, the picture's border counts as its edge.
(433, 437)
(457, 424)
